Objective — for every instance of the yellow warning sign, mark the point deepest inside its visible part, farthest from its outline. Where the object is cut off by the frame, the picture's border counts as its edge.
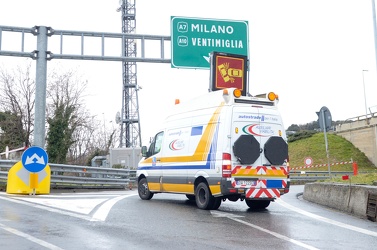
(22, 181)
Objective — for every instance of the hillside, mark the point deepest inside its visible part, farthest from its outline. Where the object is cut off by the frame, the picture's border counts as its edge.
(340, 150)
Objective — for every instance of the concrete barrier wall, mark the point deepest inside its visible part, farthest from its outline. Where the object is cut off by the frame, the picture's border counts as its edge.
(351, 199)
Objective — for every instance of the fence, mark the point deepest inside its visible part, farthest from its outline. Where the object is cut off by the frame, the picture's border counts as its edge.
(315, 175)
(71, 176)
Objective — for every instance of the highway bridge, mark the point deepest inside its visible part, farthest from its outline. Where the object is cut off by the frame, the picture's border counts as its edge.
(362, 132)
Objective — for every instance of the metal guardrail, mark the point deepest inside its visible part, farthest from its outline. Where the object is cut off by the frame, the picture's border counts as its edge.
(72, 176)
(316, 175)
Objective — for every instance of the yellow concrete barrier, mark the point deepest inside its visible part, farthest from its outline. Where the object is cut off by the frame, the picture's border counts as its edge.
(21, 181)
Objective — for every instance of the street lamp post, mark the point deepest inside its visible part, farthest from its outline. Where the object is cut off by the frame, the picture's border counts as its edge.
(365, 96)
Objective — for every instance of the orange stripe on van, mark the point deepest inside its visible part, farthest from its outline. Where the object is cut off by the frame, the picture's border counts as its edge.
(259, 170)
(202, 150)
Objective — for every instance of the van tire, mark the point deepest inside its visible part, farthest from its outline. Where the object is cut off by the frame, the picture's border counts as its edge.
(216, 203)
(203, 197)
(143, 189)
(257, 204)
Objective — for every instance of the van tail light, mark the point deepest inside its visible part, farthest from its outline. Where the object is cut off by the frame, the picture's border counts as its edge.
(286, 189)
(288, 168)
(227, 166)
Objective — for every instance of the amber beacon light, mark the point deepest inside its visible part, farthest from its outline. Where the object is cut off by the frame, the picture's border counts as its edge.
(237, 93)
(272, 96)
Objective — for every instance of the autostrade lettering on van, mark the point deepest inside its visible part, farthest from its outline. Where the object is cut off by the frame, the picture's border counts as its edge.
(217, 147)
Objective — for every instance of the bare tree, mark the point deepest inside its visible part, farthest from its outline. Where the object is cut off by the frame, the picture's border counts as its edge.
(73, 134)
(84, 145)
(66, 113)
(17, 93)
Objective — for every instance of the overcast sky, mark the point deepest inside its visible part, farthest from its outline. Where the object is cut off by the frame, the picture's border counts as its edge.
(310, 52)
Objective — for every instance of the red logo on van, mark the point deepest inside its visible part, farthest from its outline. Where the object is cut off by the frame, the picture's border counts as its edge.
(176, 145)
(258, 130)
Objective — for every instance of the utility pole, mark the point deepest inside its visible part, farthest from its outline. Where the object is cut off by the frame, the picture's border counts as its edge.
(374, 30)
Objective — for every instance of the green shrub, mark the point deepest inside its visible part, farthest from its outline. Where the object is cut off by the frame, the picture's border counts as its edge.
(301, 135)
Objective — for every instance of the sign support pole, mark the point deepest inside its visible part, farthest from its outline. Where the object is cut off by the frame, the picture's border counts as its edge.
(40, 87)
(326, 142)
(33, 180)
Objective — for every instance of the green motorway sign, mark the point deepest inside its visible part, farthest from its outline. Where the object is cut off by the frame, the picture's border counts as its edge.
(193, 39)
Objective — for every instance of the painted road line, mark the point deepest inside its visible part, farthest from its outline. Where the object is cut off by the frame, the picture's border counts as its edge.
(30, 238)
(332, 222)
(104, 209)
(50, 209)
(277, 235)
(76, 205)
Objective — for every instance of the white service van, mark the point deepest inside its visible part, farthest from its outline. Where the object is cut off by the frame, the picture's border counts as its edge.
(216, 147)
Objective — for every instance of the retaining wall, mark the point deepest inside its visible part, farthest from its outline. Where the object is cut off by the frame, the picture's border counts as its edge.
(351, 199)
(362, 134)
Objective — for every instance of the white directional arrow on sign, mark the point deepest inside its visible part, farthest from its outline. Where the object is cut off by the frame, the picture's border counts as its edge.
(207, 57)
(35, 159)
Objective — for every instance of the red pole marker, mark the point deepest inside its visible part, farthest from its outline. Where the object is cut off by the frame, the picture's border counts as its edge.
(355, 168)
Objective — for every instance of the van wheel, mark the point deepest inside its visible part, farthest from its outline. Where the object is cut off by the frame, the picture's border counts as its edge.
(143, 190)
(216, 204)
(255, 204)
(203, 197)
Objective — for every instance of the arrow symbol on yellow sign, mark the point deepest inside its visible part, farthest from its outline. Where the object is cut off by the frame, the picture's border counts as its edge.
(24, 175)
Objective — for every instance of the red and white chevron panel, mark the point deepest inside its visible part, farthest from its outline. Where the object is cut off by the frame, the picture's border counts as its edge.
(263, 193)
(284, 183)
(259, 170)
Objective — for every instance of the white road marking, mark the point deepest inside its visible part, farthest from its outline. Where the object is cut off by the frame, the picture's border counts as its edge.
(104, 209)
(81, 195)
(333, 222)
(82, 206)
(277, 235)
(216, 213)
(50, 209)
(74, 205)
(30, 238)
(99, 215)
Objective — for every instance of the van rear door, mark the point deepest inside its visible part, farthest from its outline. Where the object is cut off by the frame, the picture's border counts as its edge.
(246, 141)
(258, 146)
(272, 138)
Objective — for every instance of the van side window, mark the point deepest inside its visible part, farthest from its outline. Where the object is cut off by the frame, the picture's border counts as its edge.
(156, 144)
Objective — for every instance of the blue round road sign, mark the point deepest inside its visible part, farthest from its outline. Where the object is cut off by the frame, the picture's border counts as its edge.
(34, 159)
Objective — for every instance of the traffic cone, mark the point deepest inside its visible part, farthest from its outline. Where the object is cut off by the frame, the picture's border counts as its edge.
(354, 166)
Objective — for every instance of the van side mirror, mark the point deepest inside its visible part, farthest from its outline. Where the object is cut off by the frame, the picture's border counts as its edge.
(144, 151)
